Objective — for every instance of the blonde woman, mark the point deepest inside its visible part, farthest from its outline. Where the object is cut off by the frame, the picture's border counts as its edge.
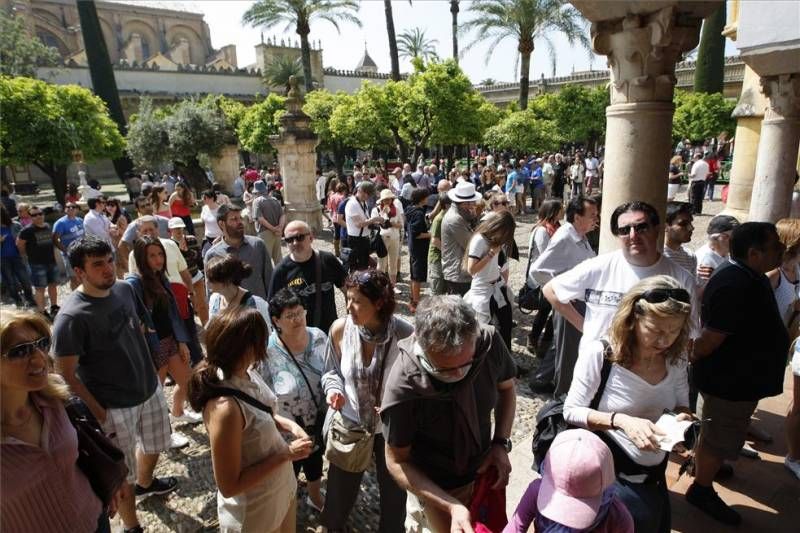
(675, 175)
(646, 344)
(43, 488)
(487, 263)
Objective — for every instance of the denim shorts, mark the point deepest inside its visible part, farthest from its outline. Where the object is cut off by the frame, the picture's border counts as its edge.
(43, 275)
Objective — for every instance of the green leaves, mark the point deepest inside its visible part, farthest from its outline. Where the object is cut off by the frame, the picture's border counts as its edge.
(259, 122)
(45, 123)
(699, 116)
(523, 131)
(20, 53)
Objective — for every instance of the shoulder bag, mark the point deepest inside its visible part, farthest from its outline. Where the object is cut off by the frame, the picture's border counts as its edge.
(320, 419)
(550, 420)
(349, 444)
(528, 297)
(99, 459)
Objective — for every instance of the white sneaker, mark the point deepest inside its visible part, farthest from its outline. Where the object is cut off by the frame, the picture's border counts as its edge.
(397, 291)
(793, 466)
(176, 440)
(188, 417)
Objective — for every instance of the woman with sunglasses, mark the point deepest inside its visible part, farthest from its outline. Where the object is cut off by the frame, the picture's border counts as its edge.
(43, 488)
(224, 276)
(488, 292)
(251, 459)
(293, 370)
(362, 347)
(646, 347)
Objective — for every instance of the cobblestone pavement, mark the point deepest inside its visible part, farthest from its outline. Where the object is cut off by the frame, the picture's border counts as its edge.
(192, 507)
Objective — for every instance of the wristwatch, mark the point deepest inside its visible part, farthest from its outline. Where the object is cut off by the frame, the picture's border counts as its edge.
(501, 441)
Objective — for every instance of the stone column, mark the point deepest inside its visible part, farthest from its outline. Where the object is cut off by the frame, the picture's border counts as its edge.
(297, 158)
(226, 166)
(748, 113)
(777, 149)
(642, 51)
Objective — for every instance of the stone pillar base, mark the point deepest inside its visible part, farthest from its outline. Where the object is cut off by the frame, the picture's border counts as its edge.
(638, 142)
(310, 214)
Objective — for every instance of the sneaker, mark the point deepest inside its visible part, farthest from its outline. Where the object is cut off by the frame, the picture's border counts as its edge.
(793, 466)
(707, 500)
(137, 529)
(749, 452)
(159, 486)
(188, 417)
(176, 440)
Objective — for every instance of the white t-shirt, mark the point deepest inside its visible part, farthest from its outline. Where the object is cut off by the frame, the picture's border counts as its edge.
(175, 262)
(354, 212)
(706, 257)
(478, 248)
(321, 187)
(602, 281)
(699, 171)
(210, 225)
(591, 166)
(625, 393)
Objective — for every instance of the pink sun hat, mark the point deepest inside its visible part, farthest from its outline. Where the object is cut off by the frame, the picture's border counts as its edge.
(577, 469)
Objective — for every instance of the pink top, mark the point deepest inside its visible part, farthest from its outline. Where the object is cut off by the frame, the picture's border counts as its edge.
(43, 489)
(618, 519)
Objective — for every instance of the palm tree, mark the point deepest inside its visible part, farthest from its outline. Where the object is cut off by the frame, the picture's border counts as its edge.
(298, 14)
(277, 73)
(488, 82)
(526, 21)
(454, 8)
(393, 54)
(413, 43)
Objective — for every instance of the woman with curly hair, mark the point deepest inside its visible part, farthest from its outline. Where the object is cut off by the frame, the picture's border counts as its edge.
(646, 347)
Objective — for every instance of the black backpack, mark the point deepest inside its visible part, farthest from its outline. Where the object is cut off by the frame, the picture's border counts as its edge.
(550, 420)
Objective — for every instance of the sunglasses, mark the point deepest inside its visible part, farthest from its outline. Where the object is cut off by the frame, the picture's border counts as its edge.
(37, 214)
(295, 238)
(624, 231)
(24, 351)
(657, 296)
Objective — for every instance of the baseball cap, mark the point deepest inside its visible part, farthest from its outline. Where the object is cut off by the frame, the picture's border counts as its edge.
(577, 469)
(176, 222)
(721, 224)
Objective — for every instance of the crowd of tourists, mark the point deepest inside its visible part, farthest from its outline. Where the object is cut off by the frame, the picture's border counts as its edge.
(240, 319)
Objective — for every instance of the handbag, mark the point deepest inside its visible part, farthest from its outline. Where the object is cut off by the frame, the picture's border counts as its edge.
(377, 245)
(528, 297)
(487, 508)
(550, 420)
(320, 419)
(99, 459)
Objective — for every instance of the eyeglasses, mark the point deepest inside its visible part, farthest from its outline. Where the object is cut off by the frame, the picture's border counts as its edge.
(301, 313)
(25, 350)
(295, 238)
(37, 214)
(624, 231)
(657, 296)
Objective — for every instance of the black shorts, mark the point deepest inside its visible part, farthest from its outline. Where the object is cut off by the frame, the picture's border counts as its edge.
(311, 465)
(419, 267)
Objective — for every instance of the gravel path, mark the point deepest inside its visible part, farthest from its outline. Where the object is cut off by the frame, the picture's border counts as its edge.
(192, 507)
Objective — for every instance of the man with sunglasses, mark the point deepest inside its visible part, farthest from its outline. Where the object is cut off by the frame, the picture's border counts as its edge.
(298, 271)
(739, 358)
(448, 380)
(35, 243)
(144, 207)
(67, 230)
(601, 282)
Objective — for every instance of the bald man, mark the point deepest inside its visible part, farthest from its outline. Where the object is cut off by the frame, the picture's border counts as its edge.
(298, 271)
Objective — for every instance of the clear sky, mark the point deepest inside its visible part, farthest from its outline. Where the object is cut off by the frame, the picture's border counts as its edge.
(345, 50)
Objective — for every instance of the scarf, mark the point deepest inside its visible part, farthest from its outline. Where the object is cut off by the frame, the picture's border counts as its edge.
(545, 525)
(551, 228)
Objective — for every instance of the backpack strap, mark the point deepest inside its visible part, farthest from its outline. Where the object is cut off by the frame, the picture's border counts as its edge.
(604, 373)
(217, 392)
(317, 289)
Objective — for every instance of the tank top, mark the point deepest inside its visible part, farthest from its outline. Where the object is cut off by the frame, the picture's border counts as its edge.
(180, 210)
(786, 293)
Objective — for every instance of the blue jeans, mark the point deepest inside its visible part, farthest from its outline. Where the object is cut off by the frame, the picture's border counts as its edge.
(648, 504)
(16, 278)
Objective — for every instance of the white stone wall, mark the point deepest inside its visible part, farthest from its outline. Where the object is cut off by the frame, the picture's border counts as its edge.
(348, 84)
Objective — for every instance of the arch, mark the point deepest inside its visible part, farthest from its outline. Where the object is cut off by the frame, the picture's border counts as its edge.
(148, 34)
(52, 40)
(46, 16)
(111, 40)
(197, 50)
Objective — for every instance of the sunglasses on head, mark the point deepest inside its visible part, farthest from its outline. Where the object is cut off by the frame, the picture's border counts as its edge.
(624, 231)
(657, 296)
(295, 238)
(25, 350)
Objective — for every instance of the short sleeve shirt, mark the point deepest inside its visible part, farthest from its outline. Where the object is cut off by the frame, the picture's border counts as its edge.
(175, 261)
(114, 361)
(253, 252)
(39, 245)
(68, 230)
(435, 252)
(269, 208)
(355, 212)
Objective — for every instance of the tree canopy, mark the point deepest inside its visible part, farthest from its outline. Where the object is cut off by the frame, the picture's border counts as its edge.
(523, 131)
(414, 43)
(19, 53)
(44, 124)
(699, 116)
(259, 122)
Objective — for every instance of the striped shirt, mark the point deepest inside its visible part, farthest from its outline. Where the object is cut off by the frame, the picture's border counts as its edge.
(43, 488)
(683, 256)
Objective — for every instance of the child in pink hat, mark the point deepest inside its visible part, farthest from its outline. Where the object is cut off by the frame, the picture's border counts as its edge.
(576, 491)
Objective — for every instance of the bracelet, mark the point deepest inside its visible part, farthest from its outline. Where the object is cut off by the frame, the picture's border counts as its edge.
(612, 420)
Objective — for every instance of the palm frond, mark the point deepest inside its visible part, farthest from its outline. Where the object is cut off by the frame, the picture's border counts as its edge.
(413, 43)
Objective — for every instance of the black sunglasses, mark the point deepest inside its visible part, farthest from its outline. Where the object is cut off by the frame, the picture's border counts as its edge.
(24, 351)
(657, 296)
(37, 214)
(298, 238)
(624, 231)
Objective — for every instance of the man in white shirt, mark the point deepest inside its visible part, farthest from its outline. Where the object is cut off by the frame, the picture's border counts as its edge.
(96, 222)
(716, 251)
(567, 248)
(592, 172)
(358, 222)
(601, 282)
(697, 183)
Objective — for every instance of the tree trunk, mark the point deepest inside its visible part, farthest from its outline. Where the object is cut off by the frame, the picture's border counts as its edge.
(194, 173)
(524, 79)
(709, 70)
(58, 178)
(393, 53)
(305, 54)
(103, 81)
(454, 13)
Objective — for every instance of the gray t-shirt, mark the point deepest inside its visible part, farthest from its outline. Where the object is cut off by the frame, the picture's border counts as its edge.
(269, 208)
(456, 233)
(114, 361)
(253, 252)
(132, 231)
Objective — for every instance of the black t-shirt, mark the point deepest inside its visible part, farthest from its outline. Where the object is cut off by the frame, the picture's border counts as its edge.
(301, 277)
(105, 333)
(39, 244)
(750, 362)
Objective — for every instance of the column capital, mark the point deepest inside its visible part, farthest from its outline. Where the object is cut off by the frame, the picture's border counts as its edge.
(642, 51)
(783, 96)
